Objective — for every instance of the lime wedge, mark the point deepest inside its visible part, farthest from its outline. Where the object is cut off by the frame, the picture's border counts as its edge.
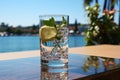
(47, 33)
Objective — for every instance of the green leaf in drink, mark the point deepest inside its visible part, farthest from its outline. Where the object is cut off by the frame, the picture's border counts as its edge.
(50, 30)
(50, 22)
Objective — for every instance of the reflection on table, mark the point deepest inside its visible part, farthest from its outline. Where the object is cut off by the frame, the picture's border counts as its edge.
(48, 73)
(79, 66)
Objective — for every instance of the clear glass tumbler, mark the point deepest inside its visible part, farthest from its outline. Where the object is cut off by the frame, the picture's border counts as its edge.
(54, 40)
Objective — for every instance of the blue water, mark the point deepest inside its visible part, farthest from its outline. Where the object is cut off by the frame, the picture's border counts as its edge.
(24, 43)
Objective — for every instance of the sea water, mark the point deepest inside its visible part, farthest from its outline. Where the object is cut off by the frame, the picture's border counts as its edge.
(25, 43)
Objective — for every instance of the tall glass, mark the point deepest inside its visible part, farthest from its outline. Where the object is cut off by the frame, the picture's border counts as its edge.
(54, 40)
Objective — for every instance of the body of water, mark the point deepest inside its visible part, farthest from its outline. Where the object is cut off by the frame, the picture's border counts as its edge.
(24, 43)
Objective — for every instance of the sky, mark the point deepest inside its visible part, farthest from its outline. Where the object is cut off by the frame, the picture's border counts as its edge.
(27, 12)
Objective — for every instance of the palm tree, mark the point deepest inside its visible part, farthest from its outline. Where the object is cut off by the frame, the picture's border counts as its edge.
(109, 5)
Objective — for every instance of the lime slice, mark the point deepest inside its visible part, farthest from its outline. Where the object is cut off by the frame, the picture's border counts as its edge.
(47, 33)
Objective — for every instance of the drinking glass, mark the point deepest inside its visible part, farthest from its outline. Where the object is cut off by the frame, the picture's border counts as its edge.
(54, 40)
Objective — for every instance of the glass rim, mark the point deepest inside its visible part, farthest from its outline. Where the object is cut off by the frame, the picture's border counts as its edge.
(49, 15)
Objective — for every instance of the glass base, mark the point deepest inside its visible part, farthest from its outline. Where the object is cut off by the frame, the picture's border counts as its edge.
(55, 63)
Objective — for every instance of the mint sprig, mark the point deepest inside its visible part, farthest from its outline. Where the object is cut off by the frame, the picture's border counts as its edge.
(50, 22)
(64, 21)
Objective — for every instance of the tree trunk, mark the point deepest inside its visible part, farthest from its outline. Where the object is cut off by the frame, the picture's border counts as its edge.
(105, 5)
(96, 1)
(109, 5)
(112, 7)
(119, 13)
(112, 4)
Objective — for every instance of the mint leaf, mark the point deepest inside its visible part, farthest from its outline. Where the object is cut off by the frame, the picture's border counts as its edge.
(64, 21)
(50, 22)
(46, 22)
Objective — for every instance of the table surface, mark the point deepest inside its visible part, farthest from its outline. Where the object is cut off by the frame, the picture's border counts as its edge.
(79, 66)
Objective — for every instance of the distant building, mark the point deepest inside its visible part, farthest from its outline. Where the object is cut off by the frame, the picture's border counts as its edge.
(78, 28)
(3, 34)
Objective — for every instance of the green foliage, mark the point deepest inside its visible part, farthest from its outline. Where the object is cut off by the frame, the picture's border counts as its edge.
(50, 22)
(102, 29)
